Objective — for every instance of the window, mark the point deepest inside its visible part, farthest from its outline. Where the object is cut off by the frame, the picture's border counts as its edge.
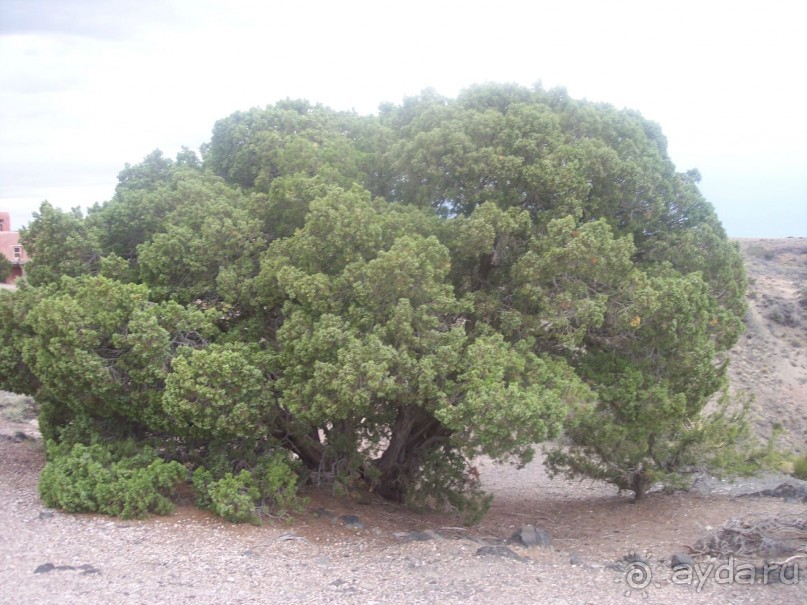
(17, 252)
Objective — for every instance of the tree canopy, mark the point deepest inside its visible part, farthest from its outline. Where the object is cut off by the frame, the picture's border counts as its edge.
(376, 300)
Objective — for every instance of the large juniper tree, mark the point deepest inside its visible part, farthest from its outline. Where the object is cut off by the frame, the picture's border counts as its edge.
(380, 299)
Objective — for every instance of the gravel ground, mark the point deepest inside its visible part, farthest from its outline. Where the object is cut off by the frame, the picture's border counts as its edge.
(191, 557)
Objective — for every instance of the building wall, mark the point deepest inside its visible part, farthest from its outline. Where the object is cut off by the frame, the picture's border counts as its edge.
(10, 248)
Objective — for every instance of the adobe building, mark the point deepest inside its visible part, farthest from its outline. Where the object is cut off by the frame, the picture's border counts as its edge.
(11, 248)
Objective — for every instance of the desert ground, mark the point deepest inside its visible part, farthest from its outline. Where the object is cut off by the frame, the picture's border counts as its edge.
(587, 546)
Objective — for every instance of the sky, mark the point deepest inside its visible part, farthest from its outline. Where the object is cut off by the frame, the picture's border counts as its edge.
(87, 86)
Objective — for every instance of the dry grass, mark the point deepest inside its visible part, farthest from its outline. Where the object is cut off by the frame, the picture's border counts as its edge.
(17, 408)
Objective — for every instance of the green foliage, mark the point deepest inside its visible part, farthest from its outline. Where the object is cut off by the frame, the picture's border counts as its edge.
(270, 488)
(449, 482)
(800, 468)
(276, 478)
(220, 391)
(234, 497)
(5, 268)
(121, 480)
(58, 244)
(381, 299)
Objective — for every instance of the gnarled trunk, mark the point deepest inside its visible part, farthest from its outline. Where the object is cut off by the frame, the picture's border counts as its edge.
(640, 483)
(414, 433)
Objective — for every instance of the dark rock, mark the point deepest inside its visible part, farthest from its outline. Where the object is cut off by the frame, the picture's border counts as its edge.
(681, 560)
(418, 536)
(85, 569)
(286, 537)
(324, 512)
(529, 536)
(575, 559)
(88, 570)
(788, 491)
(45, 568)
(46, 514)
(351, 521)
(626, 562)
(634, 557)
(499, 551)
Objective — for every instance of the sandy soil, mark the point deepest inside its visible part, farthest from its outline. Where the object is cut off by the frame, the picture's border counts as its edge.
(190, 556)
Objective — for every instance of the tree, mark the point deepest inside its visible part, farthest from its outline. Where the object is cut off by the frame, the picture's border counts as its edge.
(378, 300)
(374, 351)
(5, 268)
(59, 244)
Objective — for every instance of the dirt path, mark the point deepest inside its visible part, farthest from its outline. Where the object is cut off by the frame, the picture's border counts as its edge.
(192, 557)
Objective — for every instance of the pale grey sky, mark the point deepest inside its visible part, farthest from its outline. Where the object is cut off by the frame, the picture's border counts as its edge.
(89, 85)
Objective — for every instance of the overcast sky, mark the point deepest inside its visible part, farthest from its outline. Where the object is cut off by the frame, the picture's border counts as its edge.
(89, 85)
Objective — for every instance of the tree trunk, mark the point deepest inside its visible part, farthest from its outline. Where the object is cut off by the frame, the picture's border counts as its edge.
(414, 432)
(640, 482)
(307, 447)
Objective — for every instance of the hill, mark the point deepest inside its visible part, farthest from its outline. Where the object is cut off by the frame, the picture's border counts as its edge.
(770, 361)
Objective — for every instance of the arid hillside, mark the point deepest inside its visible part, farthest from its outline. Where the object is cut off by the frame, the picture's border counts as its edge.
(770, 361)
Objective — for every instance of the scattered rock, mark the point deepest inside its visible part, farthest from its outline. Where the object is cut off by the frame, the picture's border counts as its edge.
(681, 560)
(17, 437)
(290, 536)
(529, 536)
(634, 557)
(626, 561)
(351, 521)
(324, 512)
(45, 568)
(418, 536)
(788, 491)
(85, 569)
(249, 553)
(500, 551)
(46, 514)
(575, 559)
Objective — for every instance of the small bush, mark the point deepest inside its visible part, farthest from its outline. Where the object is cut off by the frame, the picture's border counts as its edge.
(17, 408)
(784, 316)
(757, 251)
(234, 497)
(465, 496)
(277, 481)
(800, 468)
(101, 478)
(270, 487)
